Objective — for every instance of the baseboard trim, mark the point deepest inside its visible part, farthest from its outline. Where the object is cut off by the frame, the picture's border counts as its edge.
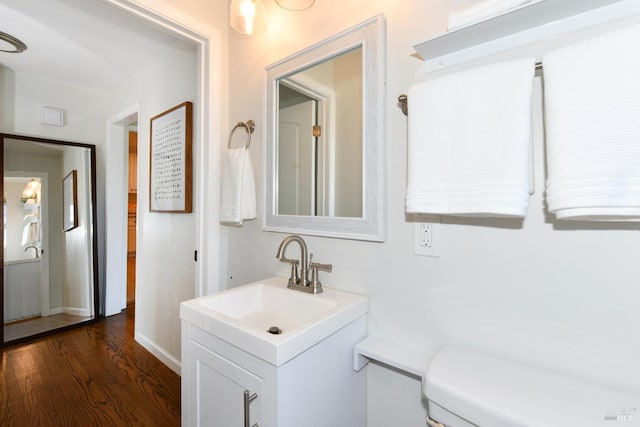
(158, 352)
(76, 311)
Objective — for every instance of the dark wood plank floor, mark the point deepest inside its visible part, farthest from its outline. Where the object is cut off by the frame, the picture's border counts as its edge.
(94, 375)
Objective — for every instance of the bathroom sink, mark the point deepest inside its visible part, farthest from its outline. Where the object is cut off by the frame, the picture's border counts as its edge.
(262, 306)
(270, 321)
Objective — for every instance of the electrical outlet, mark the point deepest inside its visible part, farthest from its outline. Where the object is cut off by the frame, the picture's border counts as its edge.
(426, 239)
(426, 235)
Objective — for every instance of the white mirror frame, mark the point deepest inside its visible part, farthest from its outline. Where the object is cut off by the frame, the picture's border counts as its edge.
(371, 35)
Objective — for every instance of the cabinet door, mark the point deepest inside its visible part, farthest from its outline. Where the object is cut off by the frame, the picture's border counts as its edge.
(218, 387)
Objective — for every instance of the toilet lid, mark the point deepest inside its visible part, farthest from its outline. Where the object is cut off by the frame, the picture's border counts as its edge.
(490, 391)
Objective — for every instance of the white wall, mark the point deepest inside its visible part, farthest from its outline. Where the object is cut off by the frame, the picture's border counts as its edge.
(344, 75)
(165, 241)
(78, 253)
(84, 110)
(7, 92)
(348, 150)
(557, 295)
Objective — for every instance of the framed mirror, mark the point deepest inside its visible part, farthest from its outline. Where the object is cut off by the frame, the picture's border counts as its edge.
(325, 130)
(50, 269)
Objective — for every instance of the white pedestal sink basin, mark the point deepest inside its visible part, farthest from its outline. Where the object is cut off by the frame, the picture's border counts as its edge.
(242, 317)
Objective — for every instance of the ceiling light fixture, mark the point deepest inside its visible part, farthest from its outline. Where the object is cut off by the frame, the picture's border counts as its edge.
(247, 17)
(295, 5)
(10, 44)
(31, 191)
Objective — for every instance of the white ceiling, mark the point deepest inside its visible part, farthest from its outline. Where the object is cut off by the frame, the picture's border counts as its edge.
(86, 43)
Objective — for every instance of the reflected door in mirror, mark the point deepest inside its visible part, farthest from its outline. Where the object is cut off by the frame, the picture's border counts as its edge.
(319, 142)
(296, 158)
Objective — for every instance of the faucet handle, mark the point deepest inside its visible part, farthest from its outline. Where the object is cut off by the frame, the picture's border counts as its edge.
(323, 267)
(294, 277)
(315, 278)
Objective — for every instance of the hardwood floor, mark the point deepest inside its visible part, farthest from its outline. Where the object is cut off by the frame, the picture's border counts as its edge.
(94, 375)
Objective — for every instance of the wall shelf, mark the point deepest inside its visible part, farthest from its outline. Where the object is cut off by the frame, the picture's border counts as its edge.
(408, 360)
(539, 22)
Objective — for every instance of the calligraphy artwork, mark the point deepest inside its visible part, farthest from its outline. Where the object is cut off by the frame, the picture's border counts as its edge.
(170, 180)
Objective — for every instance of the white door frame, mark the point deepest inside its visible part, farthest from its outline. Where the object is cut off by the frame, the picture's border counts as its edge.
(206, 157)
(116, 196)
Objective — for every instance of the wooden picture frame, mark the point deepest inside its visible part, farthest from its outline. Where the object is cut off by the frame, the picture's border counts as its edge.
(70, 201)
(170, 171)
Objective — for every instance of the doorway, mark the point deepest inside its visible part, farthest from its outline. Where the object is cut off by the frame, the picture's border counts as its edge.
(207, 127)
(121, 196)
(132, 208)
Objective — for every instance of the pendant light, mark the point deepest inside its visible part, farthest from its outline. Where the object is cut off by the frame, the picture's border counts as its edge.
(247, 17)
(295, 5)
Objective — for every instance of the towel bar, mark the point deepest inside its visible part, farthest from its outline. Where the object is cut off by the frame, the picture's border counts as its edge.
(403, 99)
(249, 126)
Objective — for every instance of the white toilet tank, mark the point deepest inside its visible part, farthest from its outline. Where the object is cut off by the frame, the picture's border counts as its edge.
(468, 388)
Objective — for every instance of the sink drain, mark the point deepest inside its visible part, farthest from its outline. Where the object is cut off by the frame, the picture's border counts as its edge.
(274, 330)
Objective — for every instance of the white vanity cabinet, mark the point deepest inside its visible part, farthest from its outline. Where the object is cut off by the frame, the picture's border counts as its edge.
(316, 388)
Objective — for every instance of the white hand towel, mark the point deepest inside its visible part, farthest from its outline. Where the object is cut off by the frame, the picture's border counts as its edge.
(238, 195)
(469, 142)
(592, 115)
(482, 11)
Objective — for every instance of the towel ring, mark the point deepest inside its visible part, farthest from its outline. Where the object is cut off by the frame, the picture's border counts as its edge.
(402, 103)
(249, 126)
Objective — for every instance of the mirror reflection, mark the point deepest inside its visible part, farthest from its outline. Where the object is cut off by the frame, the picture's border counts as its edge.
(49, 274)
(319, 139)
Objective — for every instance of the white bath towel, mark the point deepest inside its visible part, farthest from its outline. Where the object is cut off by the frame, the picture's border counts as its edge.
(469, 142)
(483, 10)
(30, 233)
(592, 114)
(238, 195)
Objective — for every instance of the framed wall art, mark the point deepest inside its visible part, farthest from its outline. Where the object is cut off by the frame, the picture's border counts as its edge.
(170, 173)
(70, 201)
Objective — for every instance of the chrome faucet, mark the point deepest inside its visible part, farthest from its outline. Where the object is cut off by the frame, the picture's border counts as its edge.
(301, 282)
(34, 247)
